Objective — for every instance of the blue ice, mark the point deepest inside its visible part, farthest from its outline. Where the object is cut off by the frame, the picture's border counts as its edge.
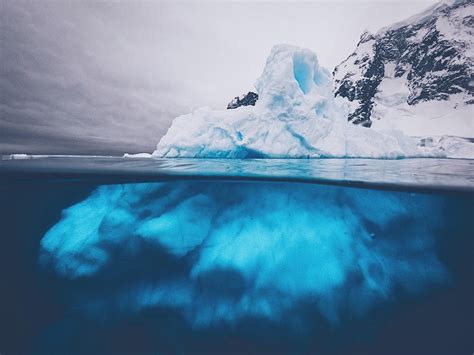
(224, 251)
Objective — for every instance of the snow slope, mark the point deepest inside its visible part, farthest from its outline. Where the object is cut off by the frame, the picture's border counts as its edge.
(295, 117)
(415, 76)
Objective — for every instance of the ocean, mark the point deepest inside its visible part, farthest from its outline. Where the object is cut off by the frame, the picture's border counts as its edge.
(103, 255)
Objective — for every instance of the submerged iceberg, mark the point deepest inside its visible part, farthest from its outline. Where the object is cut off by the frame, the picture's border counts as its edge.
(225, 252)
(295, 117)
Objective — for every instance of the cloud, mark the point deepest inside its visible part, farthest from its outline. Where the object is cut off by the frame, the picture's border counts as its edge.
(57, 86)
(111, 76)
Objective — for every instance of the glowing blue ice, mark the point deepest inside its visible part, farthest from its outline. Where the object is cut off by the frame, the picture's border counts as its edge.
(234, 250)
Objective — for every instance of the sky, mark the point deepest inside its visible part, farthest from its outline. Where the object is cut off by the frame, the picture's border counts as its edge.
(108, 77)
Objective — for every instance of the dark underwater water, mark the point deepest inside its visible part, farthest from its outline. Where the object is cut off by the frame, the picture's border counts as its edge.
(214, 267)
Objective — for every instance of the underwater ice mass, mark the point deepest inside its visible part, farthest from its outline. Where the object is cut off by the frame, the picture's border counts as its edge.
(227, 251)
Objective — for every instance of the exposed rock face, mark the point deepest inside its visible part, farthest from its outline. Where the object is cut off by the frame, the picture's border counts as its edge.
(247, 100)
(427, 58)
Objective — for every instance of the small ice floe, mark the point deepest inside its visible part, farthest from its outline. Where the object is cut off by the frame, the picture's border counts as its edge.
(138, 155)
(17, 156)
(452, 147)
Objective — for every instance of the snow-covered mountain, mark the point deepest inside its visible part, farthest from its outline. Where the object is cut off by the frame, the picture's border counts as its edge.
(416, 75)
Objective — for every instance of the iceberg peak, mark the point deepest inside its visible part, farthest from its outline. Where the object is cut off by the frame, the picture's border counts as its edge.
(293, 83)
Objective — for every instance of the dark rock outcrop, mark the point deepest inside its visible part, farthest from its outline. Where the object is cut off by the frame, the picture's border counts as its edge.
(247, 100)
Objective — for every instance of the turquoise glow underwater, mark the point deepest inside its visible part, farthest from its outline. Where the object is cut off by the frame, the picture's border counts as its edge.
(221, 253)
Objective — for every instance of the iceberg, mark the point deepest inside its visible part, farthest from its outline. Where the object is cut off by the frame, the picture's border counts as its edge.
(224, 252)
(295, 116)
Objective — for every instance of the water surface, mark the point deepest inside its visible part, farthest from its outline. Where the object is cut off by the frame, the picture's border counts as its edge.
(437, 174)
(111, 255)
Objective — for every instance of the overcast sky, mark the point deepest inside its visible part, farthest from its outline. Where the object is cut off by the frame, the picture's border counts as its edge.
(108, 77)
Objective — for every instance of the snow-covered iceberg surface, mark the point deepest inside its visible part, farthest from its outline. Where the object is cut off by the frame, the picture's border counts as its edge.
(225, 252)
(295, 117)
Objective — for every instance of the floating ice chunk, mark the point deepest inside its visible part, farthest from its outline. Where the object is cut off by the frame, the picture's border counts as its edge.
(295, 117)
(17, 156)
(455, 147)
(138, 155)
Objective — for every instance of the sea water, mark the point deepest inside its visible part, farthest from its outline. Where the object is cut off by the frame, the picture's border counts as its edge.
(139, 256)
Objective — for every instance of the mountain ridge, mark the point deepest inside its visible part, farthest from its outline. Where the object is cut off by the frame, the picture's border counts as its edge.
(395, 72)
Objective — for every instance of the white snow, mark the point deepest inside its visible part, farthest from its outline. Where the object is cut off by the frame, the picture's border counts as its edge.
(429, 118)
(419, 18)
(295, 117)
(434, 118)
(349, 69)
(392, 91)
(453, 27)
(451, 117)
(455, 147)
(419, 35)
